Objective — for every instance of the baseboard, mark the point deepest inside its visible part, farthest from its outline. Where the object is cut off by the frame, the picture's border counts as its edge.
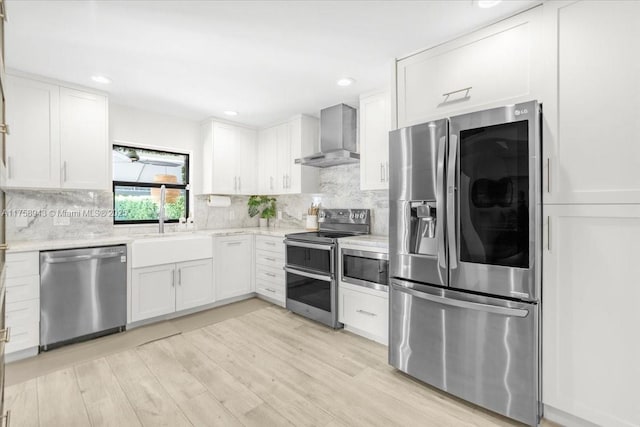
(181, 313)
(564, 418)
(21, 354)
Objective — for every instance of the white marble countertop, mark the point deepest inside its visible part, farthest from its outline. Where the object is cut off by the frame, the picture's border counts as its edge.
(373, 240)
(90, 241)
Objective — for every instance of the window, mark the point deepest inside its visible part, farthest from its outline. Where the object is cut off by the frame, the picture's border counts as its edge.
(138, 174)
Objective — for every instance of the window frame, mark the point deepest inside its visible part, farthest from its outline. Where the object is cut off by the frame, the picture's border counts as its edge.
(186, 186)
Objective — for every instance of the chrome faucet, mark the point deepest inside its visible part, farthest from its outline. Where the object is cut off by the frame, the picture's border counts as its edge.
(161, 218)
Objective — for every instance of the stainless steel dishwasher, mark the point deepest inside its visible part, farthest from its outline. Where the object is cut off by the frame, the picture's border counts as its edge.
(83, 294)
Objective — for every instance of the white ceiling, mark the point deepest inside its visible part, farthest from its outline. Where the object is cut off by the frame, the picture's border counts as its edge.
(266, 59)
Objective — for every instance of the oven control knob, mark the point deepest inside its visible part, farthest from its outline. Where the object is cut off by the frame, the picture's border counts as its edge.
(352, 215)
(362, 215)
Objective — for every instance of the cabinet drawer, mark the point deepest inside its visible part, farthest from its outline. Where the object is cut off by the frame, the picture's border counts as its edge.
(270, 259)
(22, 264)
(368, 313)
(22, 313)
(270, 274)
(271, 244)
(270, 290)
(23, 336)
(23, 288)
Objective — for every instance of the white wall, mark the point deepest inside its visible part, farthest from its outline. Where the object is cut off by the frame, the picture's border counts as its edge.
(141, 127)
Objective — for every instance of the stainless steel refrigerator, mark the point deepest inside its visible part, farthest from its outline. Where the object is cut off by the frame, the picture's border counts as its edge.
(465, 212)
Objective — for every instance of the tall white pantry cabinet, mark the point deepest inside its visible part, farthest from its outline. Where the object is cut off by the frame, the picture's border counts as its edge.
(591, 193)
(580, 60)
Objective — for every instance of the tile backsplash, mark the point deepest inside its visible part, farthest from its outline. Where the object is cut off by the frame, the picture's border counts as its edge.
(38, 215)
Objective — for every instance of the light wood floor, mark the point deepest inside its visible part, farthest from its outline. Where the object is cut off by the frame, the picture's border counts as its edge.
(267, 367)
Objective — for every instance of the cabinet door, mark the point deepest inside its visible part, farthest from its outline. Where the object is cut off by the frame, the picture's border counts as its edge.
(487, 68)
(234, 266)
(284, 160)
(304, 131)
(153, 291)
(224, 177)
(195, 284)
(33, 145)
(375, 123)
(590, 296)
(246, 140)
(267, 157)
(592, 137)
(84, 145)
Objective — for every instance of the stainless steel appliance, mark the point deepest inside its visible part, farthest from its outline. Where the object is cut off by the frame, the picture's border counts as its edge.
(338, 142)
(465, 211)
(365, 268)
(311, 260)
(83, 294)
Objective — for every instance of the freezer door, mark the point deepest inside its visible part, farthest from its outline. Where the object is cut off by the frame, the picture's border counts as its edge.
(417, 214)
(484, 350)
(493, 196)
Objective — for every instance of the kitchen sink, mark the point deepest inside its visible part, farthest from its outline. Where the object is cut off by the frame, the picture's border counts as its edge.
(157, 249)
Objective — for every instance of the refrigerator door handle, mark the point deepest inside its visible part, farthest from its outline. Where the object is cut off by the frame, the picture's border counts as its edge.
(506, 311)
(442, 258)
(451, 202)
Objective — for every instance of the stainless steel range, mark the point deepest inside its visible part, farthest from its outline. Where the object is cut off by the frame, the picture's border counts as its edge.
(311, 261)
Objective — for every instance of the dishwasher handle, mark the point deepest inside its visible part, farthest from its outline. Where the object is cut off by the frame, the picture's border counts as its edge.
(77, 258)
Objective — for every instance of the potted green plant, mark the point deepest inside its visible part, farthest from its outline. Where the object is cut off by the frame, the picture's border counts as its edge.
(263, 205)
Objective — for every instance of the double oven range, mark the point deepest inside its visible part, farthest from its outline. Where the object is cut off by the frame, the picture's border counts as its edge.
(312, 261)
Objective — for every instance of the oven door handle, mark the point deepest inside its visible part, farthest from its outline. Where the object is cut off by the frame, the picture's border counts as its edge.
(309, 275)
(308, 245)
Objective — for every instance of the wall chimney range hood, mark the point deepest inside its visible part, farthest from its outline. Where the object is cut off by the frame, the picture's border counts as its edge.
(338, 144)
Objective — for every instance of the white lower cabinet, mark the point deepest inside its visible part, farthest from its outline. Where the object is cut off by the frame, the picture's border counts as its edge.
(152, 291)
(234, 258)
(364, 311)
(195, 284)
(164, 289)
(22, 311)
(270, 275)
(591, 344)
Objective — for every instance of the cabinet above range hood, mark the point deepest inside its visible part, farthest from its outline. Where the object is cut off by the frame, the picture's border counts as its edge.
(338, 144)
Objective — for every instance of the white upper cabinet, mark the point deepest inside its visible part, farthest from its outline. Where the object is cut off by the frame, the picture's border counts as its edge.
(283, 158)
(59, 137)
(279, 146)
(375, 123)
(229, 159)
(267, 161)
(33, 144)
(490, 67)
(592, 132)
(84, 149)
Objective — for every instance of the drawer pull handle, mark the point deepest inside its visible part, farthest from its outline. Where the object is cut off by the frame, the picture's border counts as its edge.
(271, 259)
(270, 290)
(5, 334)
(270, 243)
(233, 243)
(368, 313)
(270, 274)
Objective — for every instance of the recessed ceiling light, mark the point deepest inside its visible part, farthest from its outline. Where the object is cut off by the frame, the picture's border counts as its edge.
(101, 79)
(345, 81)
(231, 113)
(486, 4)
